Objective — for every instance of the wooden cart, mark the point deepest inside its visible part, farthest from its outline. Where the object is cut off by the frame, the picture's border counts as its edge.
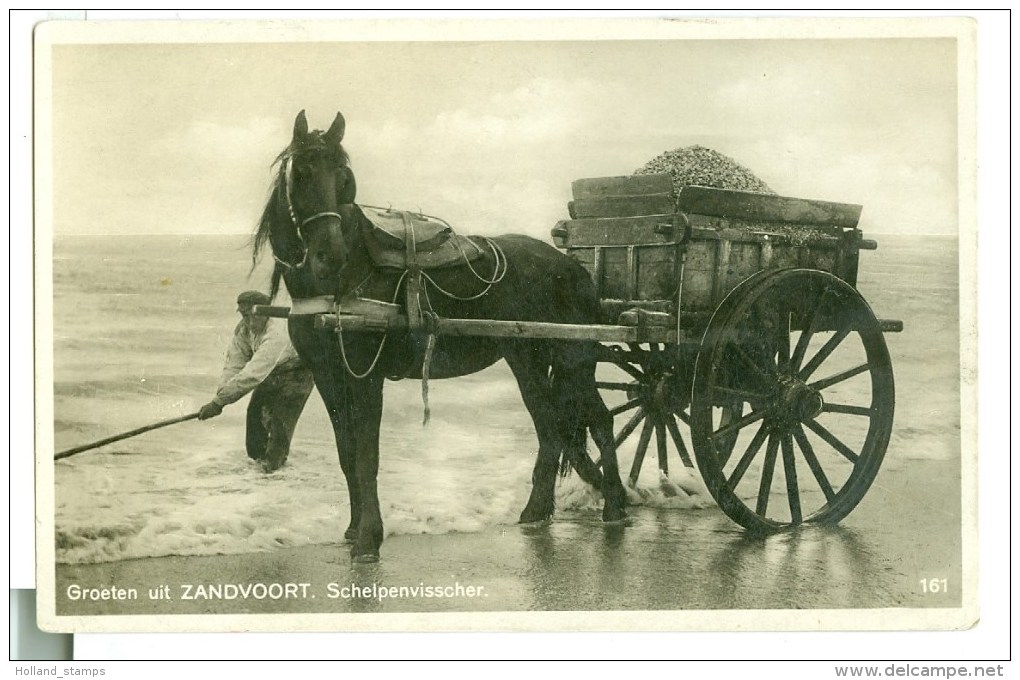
(734, 317)
(750, 332)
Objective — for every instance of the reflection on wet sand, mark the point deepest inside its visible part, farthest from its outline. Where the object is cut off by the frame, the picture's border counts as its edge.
(664, 561)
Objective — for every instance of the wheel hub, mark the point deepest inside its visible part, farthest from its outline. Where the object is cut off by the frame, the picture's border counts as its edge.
(797, 402)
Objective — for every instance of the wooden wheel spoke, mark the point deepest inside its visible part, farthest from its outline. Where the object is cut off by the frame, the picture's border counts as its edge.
(631, 425)
(618, 386)
(623, 408)
(683, 416)
(630, 369)
(748, 457)
(660, 443)
(766, 377)
(790, 472)
(813, 464)
(805, 337)
(828, 348)
(639, 455)
(866, 411)
(768, 469)
(839, 377)
(832, 440)
(737, 425)
(782, 349)
(678, 441)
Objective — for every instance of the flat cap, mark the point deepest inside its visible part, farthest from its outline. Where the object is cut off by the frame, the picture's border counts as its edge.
(252, 297)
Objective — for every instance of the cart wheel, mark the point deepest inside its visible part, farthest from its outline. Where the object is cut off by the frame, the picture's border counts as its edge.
(805, 352)
(648, 400)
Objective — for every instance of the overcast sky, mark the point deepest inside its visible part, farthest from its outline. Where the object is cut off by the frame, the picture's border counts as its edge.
(171, 137)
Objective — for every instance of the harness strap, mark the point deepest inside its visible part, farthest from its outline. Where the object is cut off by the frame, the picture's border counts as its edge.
(414, 311)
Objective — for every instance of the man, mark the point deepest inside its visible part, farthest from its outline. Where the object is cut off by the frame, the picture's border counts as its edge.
(261, 358)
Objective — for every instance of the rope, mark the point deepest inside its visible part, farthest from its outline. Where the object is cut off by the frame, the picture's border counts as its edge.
(382, 343)
(347, 363)
(500, 263)
(431, 322)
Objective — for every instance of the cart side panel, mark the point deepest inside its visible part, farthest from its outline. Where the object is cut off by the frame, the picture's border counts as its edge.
(626, 185)
(622, 206)
(634, 249)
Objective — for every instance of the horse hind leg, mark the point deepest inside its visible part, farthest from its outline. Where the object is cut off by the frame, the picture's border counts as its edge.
(577, 395)
(601, 427)
(532, 376)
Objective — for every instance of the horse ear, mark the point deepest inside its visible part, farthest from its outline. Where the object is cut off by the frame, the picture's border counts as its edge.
(300, 126)
(335, 134)
(349, 191)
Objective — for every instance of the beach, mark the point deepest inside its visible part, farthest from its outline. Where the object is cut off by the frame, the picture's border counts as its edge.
(180, 523)
(676, 560)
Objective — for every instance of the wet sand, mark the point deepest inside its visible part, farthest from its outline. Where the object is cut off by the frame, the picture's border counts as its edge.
(906, 529)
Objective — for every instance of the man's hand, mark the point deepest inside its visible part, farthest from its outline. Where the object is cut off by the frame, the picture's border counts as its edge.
(210, 410)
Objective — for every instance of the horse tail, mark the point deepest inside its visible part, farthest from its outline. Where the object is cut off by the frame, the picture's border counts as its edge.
(575, 446)
(575, 429)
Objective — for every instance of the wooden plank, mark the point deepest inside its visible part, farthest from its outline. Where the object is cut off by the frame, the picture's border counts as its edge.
(632, 273)
(270, 310)
(622, 206)
(616, 231)
(768, 208)
(766, 255)
(627, 185)
(614, 273)
(493, 328)
(744, 260)
(657, 272)
(612, 309)
(598, 272)
(722, 264)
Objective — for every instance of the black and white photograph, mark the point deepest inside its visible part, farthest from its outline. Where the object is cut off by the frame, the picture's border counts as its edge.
(513, 326)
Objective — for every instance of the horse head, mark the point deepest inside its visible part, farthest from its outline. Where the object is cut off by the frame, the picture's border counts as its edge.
(302, 221)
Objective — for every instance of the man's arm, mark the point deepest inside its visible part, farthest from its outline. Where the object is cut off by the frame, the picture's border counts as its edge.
(274, 348)
(239, 351)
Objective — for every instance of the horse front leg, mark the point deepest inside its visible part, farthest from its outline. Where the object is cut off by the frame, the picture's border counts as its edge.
(338, 407)
(343, 432)
(366, 405)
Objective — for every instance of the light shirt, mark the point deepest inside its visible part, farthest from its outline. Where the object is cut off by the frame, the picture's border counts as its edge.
(252, 357)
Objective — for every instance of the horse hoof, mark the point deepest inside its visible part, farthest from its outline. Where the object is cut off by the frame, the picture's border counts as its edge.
(535, 523)
(614, 516)
(535, 517)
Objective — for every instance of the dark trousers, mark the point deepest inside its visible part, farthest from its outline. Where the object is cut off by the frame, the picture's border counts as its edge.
(273, 412)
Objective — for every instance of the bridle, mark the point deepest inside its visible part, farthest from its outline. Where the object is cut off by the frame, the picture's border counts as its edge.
(288, 182)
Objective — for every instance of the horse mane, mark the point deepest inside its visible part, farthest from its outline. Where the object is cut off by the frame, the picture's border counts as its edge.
(313, 141)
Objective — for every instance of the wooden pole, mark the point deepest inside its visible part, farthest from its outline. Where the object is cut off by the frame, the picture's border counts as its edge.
(124, 435)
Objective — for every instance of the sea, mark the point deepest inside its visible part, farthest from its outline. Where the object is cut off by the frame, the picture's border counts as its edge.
(140, 329)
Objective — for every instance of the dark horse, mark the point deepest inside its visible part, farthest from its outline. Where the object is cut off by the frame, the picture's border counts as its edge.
(317, 235)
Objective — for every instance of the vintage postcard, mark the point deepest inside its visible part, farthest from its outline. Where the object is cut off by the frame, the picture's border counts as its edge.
(533, 325)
